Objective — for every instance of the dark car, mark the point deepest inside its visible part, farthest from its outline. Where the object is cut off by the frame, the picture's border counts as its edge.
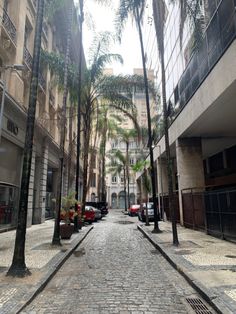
(103, 206)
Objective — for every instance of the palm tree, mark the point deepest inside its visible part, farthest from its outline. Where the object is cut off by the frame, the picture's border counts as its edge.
(159, 14)
(18, 267)
(135, 9)
(56, 233)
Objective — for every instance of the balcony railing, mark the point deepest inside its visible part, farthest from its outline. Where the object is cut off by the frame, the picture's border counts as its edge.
(28, 58)
(42, 81)
(219, 34)
(52, 99)
(9, 26)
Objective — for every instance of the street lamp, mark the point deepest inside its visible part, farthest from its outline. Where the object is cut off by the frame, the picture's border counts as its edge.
(16, 67)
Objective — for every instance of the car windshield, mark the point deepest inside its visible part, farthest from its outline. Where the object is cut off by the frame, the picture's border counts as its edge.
(149, 205)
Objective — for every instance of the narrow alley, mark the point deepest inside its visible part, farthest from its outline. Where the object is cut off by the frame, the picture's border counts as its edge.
(115, 270)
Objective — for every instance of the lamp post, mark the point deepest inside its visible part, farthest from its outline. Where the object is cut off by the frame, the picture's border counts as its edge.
(16, 67)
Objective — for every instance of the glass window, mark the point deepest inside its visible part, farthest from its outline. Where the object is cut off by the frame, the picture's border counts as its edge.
(113, 179)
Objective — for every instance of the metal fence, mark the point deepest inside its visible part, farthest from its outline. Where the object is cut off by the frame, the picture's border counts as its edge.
(193, 208)
(220, 210)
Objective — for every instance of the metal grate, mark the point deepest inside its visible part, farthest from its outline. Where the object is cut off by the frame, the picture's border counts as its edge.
(198, 306)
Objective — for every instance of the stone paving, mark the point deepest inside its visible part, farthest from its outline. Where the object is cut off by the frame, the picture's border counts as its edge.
(208, 262)
(115, 270)
(41, 258)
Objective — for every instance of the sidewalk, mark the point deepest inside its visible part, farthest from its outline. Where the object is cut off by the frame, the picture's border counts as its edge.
(208, 263)
(42, 259)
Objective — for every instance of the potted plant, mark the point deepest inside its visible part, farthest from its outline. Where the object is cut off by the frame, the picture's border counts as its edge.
(67, 215)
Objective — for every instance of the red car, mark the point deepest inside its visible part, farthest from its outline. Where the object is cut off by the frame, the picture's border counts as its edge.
(133, 210)
(89, 214)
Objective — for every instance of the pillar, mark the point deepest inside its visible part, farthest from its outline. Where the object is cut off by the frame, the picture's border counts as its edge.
(189, 166)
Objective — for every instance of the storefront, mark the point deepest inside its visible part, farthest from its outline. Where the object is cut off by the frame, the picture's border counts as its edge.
(10, 174)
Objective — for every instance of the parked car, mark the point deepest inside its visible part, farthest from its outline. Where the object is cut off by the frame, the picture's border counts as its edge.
(98, 213)
(142, 212)
(103, 206)
(89, 214)
(133, 210)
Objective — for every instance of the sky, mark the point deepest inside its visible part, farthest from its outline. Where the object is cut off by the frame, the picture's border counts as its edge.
(103, 20)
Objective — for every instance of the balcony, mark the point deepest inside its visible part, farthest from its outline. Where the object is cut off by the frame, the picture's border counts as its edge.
(28, 60)
(42, 82)
(51, 99)
(9, 26)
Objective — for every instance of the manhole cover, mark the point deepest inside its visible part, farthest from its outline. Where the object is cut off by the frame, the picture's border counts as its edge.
(230, 256)
(198, 306)
(183, 252)
(124, 222)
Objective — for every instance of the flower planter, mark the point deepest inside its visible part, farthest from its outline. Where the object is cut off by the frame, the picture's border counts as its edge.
(66, 230)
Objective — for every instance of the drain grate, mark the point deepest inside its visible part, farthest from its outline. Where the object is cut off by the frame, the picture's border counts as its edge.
(198, 306)
(124, 222)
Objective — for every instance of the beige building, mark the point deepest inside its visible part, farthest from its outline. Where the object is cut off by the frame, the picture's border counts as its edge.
(17, 29)
(115, 183)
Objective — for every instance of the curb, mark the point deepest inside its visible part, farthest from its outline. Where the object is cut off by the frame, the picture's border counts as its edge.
(217, 305)
(49, 275)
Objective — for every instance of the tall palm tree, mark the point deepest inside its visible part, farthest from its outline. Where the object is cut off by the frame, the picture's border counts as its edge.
(78, 146)
(18, 267)
(159, 13)
(135, 8)
(56, 233)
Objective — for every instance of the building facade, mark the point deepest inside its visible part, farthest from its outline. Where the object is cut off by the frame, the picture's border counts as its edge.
(200, 92)
(16, 47)
(115, 183)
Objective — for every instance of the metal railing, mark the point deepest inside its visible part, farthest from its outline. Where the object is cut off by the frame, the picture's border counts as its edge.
(42, 82)
(213, 210)
(28, 58)
(9, 26)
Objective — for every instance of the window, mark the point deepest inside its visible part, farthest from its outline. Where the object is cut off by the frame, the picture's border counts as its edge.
(113, 179)
(93, 180)
(93, 161)
(131, 161)
(122, 179)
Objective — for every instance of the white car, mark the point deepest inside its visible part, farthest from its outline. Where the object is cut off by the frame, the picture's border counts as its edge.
(142, 212)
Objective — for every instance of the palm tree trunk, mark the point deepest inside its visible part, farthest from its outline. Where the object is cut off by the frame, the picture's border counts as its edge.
(18, 267)
(56, 233)
(125, 189)
(87, 132)
(158, 12)
(81, 3)
(70, 150)
(156, 214)
(168, 157)
(127, 172)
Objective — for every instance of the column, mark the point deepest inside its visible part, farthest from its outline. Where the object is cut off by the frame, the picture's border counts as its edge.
(43, 183)
(189, 166)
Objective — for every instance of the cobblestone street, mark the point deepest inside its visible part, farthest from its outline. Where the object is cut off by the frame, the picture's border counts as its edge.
(115, 270)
